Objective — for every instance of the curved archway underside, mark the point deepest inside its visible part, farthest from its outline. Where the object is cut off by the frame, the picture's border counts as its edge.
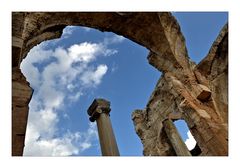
(196, 93)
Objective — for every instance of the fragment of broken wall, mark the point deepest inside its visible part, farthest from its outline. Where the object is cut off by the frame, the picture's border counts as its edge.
(206, 114)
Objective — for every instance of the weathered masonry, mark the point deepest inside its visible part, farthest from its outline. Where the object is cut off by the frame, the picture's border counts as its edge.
(197, 94)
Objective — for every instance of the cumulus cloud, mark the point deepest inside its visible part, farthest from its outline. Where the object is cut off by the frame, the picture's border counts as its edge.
(68, 31)
(69, 144)
(94, 77)
(190, 141)
(32, 74)
(59, 75)
(85, 52)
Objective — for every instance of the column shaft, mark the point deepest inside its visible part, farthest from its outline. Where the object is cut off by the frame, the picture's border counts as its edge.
(106, 136)
(175, 139)
(99, 110)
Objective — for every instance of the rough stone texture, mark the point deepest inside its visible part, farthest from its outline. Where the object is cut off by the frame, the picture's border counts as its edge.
(195, 93)
(215, 68)
(206, 114)
(175, 138)
(21, 95)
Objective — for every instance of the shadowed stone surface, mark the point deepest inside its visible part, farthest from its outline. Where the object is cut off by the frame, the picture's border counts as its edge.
(21, 95)
(196, 93)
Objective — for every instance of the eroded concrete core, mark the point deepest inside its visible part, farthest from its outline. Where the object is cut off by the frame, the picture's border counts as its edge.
(196, 93)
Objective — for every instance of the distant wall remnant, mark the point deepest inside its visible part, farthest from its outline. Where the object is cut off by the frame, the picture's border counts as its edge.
(197, 94)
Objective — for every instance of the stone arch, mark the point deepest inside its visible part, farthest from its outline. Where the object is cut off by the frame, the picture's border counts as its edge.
(158, 32)
(185, 82)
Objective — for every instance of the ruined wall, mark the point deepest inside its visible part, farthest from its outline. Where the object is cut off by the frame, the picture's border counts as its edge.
(192, 91)
(207, 119)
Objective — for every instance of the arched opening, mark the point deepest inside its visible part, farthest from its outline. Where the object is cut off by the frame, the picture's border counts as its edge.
(187, 137)
(67, 74)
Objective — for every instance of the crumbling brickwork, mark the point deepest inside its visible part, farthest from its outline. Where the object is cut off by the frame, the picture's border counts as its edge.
(195, 93)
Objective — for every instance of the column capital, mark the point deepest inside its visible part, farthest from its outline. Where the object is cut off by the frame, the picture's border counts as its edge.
(97, 107)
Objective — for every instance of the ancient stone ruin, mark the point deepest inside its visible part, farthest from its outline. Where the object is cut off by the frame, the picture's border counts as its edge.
(197, 94)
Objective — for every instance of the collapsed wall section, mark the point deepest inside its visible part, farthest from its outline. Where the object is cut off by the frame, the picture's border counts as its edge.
(206, 113)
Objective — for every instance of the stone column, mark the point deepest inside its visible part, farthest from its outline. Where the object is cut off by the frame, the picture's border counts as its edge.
(99, 110)
(175, 139)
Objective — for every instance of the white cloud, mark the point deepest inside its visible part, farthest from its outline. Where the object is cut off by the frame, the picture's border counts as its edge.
(113, 39)
(109, 52)
(69, 144)
(68, 31)
(75, 97)
(50, 96)
(94, 77)
(190, 141)
(92, 130)
(62, 146)
(85, 52)
(38, 55)
(54, 84)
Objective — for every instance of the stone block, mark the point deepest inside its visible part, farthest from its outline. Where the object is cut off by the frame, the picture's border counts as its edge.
(204, 93)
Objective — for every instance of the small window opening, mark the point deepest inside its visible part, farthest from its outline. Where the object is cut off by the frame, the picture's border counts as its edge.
(187, 137)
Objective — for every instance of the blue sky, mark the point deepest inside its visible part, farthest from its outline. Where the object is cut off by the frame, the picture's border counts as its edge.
(68, 73)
